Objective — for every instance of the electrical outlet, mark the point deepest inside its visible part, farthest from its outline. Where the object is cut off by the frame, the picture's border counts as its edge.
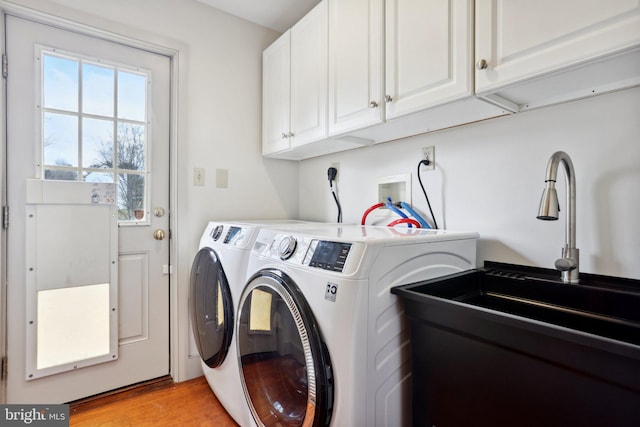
(429, 153)
(336, 165)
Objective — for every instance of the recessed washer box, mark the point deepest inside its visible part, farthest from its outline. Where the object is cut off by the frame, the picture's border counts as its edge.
(398, 187)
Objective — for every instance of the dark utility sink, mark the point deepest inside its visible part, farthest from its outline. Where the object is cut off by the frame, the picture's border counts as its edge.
(606, 307)
(512, 345)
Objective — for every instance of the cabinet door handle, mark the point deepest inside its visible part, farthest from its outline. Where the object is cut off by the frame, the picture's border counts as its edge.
(388, 98)
(290, 135)
(482, 64)
(373, 104)
(284, 135)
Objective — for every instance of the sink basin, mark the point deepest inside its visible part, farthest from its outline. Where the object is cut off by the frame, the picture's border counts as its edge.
(513, 345)
(605, 307)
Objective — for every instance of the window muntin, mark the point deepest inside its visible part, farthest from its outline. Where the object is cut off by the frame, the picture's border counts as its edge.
(95, 126)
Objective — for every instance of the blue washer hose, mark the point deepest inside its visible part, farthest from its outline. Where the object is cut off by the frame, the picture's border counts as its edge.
(421, 220)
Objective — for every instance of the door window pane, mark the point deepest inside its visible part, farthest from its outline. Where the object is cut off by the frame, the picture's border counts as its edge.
(60, 174)
(91, 176)
(131, 197)
(60, 80)
(97, 90)
(60, 135)
(97, 143)
(132, 96)
(131, 147)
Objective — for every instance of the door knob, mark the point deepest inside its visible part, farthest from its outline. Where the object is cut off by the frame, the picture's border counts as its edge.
(158, 234)
(482, 64)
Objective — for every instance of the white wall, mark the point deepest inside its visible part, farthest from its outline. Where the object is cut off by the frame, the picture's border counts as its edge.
(219, 113)
(490, 175)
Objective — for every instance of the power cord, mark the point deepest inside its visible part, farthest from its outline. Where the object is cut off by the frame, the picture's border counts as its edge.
(331, 174)
(426, 163)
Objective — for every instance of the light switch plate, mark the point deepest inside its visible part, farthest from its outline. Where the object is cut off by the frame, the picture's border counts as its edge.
(198, 176)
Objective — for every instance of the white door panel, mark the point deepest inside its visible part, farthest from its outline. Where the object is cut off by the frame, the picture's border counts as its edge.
(141, 301)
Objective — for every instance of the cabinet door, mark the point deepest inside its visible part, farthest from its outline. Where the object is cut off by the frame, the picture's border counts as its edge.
(355, 64)
(309, 77)
(429, 54)
(520, 39)
(276, 95)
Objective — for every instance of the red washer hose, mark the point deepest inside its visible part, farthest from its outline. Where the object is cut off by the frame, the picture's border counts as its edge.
(404, 221)
(368, 211)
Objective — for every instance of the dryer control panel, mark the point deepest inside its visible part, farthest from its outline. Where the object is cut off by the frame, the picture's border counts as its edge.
(222, 234)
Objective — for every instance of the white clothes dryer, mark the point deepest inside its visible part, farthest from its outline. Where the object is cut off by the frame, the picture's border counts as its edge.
(218, 275)
(321, 341)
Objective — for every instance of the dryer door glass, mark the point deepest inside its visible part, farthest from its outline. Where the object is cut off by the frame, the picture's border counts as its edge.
(286, 369)
(211, 307)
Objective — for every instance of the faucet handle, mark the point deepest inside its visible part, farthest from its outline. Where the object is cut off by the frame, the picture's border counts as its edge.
(566, 264)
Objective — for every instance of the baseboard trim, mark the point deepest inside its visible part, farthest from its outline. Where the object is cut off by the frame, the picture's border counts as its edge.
(91, 402)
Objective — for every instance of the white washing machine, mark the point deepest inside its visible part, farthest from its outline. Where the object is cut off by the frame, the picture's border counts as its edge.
(218, 275)
(320, 338)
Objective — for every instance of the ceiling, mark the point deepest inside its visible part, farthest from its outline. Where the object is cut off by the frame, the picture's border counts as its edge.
(279, 15)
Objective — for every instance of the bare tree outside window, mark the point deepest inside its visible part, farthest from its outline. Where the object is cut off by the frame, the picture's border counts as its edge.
(130, 157)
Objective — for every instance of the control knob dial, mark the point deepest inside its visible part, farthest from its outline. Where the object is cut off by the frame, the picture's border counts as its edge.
(287, 247)
(217, 232)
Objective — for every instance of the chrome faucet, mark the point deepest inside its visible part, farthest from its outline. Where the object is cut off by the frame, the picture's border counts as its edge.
(550, 208)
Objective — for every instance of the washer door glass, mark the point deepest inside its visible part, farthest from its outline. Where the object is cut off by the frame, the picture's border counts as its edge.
(285, 366)
(211, 307)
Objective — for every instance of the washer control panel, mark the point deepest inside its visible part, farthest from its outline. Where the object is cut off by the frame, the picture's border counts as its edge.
(327, 255)
(313, 252)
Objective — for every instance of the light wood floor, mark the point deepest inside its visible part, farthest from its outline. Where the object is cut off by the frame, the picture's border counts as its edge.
(190, 403)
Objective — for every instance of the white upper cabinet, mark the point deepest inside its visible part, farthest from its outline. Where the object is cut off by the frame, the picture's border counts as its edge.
(429, 70)
(294, 104)
(309, 77)
(355, 64)
(356, 72)
(429, 54)
(535, 53)
(276, 95)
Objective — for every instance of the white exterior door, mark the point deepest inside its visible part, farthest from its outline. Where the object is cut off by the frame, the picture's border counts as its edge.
(85, 115)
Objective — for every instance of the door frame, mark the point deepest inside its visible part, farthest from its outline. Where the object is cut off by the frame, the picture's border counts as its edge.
(178, 318)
